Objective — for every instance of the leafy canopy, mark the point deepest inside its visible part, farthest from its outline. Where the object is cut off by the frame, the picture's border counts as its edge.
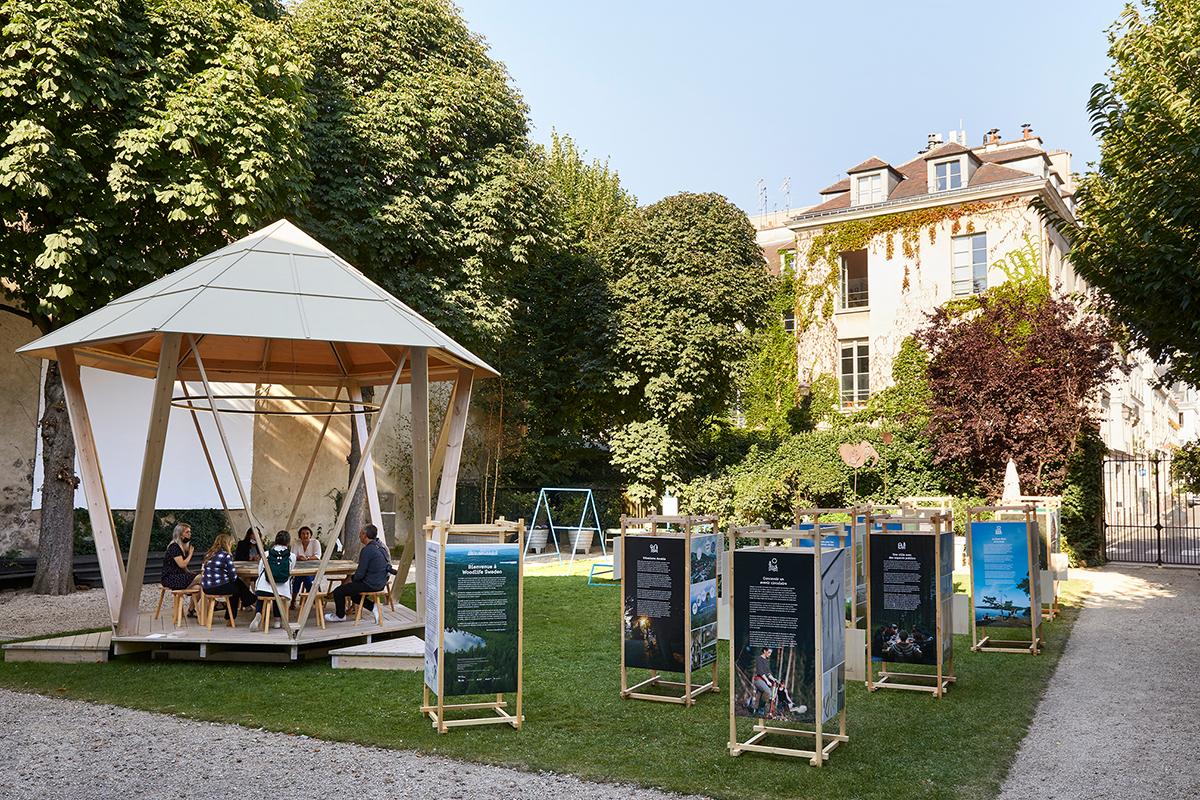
(137, 135)
(422, 171)
(1014, 377)
(557, 360)
(689, 288)
(1138, 239)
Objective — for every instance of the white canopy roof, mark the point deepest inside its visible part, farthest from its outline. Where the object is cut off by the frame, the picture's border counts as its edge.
(275, 306)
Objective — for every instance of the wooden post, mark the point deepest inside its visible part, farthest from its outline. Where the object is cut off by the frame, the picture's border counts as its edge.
(419, 394)
(454, 445)
(108, 548)
(521, 534)
(143, 518)
(734, 750)
(818, 757)
(370, 486)
(327, 547)
(687, 611)
(439, 450)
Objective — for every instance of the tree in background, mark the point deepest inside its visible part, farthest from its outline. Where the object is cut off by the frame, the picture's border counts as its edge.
(1138, 239)
(423, 175)
(556, 364)
(1014, 376)
(690, 288)
(136, 135)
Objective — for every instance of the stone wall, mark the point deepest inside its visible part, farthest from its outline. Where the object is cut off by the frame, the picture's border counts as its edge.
(21, 379)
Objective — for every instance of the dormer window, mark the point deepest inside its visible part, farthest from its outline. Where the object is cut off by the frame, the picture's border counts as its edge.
(870, 189)
(948, 175)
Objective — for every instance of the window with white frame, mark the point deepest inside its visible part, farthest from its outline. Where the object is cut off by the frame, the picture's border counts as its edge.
(970, 264)
(855, 372)
(789, 321)
(948, 175)
(853, 282)
(870, 189)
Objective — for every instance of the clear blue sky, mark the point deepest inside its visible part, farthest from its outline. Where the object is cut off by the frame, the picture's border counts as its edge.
(713, 96)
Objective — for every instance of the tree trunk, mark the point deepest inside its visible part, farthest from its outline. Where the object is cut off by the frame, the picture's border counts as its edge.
(56, 541)
(356, 517)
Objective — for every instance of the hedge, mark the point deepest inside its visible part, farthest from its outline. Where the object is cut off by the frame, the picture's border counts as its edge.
(206, 524)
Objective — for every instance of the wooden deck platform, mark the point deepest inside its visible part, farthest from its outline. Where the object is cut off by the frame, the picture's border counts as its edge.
(406, 653)
(194, 641)
(82, 648)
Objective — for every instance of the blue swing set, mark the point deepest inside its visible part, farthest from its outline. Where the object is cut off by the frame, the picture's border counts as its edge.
(589, 505)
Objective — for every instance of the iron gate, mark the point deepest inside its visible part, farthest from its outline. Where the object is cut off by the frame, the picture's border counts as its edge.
(1147, 519)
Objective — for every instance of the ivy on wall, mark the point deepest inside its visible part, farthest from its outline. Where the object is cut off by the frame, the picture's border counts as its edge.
(767, 394)
(815, 296)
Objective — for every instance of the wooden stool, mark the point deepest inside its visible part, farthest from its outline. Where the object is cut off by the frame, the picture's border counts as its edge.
(268, 610)
(318, 607)
(208, 608)
(380, 597)
(177, 598)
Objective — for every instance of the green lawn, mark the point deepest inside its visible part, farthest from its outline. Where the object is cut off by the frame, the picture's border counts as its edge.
(902, 744)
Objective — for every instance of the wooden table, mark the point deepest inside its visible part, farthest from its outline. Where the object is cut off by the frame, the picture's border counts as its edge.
(336, 569)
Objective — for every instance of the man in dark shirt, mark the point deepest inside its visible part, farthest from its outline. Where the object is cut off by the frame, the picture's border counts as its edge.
(374, 565)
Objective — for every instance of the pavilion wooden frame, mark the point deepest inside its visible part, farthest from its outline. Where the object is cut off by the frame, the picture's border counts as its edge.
(989, 644)
(690, 691)
(938, 682)
(823, 742)
(442, 531)
(275, 308)
(122, 581)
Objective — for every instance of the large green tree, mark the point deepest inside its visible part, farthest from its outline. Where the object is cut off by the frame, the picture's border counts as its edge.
(690, 288)
(422, 169)
(136, 135)
(557, 360)
(1138, 239)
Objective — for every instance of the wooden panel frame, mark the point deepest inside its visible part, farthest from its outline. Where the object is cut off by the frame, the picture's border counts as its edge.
(823, 742)
(690, 690)
(438, 708)
(988, 644)
(940, 681)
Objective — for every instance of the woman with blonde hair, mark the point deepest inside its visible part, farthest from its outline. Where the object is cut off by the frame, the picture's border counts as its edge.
(219, 577)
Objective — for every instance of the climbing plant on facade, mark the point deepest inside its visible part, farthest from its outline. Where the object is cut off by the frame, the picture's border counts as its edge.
(815, 295)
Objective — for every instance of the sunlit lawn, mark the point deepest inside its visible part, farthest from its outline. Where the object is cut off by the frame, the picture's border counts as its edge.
(903, 744)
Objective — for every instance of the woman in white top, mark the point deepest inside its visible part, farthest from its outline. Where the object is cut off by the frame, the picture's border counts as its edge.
(305, 548)
(280, 560)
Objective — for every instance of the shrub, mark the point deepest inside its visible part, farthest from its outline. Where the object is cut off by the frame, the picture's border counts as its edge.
(206, 524)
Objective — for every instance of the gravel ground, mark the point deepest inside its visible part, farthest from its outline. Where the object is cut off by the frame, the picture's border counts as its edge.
(1119, 719)
(52, 748)
(24, 614)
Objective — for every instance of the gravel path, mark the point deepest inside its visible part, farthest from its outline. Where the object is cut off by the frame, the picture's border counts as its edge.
(54, 748)
(1119, 719)
(24, 614)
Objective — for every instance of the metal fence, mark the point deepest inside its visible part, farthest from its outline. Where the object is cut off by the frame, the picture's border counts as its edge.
(1147, 519)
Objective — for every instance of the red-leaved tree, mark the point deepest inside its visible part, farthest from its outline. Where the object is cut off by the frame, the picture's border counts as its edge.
(1012, 373)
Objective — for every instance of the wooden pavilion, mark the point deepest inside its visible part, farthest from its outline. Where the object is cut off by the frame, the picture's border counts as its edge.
(276, 308)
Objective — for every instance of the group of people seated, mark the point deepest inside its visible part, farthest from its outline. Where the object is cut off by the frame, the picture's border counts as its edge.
(218, 573)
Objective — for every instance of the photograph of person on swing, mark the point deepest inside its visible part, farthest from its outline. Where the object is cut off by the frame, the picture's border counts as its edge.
(774, 667)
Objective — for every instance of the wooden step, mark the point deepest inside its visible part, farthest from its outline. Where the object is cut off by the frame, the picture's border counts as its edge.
(81, 648)
(407, 652)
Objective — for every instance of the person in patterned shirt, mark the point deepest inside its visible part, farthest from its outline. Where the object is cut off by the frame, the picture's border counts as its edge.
(219, 577)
